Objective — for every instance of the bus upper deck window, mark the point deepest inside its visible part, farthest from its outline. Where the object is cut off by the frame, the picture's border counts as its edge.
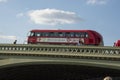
(29, 33)
(51, 33)
(86, 35)
(60, 34)
(67, 34)
(32, 34)
(82, 35)
(38, 34)
(77, 34)
(72, 34)
(56, 34)
(45, 34)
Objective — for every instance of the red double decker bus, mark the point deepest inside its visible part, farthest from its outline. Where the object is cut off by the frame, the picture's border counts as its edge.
(67, 37)
(117, 43)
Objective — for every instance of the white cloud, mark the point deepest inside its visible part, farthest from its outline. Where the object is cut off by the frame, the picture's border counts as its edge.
(3, 1)
(96, 2)
(7, 37)
(53, 17)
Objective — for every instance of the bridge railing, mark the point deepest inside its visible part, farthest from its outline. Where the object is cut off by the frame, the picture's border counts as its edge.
(112, 53)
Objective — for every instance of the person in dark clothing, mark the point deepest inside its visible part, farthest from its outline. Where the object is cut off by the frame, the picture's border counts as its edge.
(15, 42)
(80, 42)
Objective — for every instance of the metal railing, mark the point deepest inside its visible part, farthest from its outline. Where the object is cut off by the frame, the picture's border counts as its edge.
(87, 52)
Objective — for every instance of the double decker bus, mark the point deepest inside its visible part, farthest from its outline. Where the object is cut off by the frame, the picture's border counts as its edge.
(117, 43)
(65, 37)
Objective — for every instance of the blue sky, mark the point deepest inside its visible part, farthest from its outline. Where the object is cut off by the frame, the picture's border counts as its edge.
(18, 17)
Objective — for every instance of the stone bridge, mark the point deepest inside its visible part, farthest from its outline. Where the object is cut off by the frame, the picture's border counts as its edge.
(57, 62)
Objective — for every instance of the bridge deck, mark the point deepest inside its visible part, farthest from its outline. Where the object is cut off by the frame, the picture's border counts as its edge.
(88, 55)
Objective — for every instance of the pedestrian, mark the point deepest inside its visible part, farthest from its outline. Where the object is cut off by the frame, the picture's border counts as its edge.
(15, 42)
(80, 43)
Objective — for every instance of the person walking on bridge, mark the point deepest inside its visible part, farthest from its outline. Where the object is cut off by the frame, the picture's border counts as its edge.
(15, 42)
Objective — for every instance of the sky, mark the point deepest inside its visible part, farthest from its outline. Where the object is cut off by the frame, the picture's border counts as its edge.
(18, 17)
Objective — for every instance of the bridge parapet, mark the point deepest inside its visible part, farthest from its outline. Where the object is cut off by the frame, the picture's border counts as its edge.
(87, 52)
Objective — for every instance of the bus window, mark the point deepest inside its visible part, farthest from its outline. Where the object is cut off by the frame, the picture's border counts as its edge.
(38, 34)
(72, 34)
(32, 34)
(67, 34)
(60, 34)
(82, 35)
(29, 33)
(56, 34)
(51, 34)
(45, 34)
(86, 35)
(77, 34)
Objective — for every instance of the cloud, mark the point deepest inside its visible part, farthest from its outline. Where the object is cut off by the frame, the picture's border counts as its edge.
(93, 2)
(53, 17)
(3, 1)
(7, 37)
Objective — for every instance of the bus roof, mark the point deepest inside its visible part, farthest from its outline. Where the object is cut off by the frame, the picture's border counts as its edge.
(38, 30)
